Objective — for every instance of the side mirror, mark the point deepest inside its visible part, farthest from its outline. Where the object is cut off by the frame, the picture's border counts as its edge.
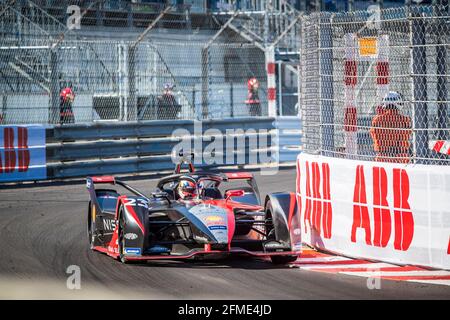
(161, 195)
(234, 193)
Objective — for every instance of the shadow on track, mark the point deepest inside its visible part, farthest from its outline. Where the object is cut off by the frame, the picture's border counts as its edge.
(232, 262)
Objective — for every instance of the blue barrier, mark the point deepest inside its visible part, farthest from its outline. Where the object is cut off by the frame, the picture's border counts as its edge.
(78, 150)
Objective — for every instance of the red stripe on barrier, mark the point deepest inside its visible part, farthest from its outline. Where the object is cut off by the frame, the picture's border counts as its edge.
(23, 152)
(382, 72)
(271, 94)
(351, 77)
(350, 119)
(438, 145)
(270, 68)
(10, 153)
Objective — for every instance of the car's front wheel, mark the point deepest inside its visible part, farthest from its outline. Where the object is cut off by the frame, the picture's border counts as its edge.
(121, 238)
(270, 231)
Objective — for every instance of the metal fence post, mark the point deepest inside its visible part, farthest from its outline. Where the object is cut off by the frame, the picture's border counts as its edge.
(326, 83)
(131, 111)
(205, 82)
(441, 85)
(420, 121)
(231, 100)
(271, 82)
(53, 112)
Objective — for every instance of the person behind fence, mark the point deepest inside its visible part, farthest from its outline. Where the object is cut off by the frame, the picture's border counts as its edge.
(391, 131)
(253, 101)
(168, 107)
(66, 98)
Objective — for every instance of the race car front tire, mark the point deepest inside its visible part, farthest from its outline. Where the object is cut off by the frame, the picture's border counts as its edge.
(121, 238)
(271, 235)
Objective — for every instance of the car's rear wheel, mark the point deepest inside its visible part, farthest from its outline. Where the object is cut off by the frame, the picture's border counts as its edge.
(90, 226)
(270, 231)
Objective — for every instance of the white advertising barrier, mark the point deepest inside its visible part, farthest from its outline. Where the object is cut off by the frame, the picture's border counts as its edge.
(22, 153)
(389, 212)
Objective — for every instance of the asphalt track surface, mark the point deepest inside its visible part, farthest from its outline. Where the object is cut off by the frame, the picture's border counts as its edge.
(43, 232)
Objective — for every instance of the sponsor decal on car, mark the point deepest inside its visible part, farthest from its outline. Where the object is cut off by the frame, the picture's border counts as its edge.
(136, 251)
(130, 236)
(217, 228)
(109, 224)
(214, 220)
(159, 249)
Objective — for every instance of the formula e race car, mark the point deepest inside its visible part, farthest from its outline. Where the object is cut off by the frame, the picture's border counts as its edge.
(224, 217)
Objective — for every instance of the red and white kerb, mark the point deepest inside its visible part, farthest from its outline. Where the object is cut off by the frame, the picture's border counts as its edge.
(350, 80)
(271, 81)
(440, 146)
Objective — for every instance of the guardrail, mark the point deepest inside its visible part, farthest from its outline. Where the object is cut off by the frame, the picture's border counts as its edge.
(148, 146)
(78, 150)
(289, 138)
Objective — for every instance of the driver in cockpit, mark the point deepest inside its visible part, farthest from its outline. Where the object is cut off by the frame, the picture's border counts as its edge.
(186, 190)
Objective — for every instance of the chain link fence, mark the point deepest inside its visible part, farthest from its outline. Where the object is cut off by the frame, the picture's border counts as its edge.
(375, 84)
(50, 74)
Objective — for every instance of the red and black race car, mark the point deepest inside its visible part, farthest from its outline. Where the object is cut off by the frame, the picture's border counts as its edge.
(225, 217)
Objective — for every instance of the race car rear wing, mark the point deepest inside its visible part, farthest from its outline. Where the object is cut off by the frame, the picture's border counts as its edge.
(91, 181)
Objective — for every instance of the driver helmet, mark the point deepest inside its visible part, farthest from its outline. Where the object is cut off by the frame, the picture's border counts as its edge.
(187, 189)
(392, 100)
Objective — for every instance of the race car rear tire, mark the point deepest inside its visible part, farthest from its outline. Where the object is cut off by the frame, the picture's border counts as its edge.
(283, 259)
(90, 227)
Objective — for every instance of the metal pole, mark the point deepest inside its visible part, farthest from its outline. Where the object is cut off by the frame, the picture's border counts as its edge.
(231, 100)
(351, 5)
(205, 82)
(441, 66)
(420, 120)
(266, 24)
(53, 112)
(130, 112)
(280, 93)
(326, 86)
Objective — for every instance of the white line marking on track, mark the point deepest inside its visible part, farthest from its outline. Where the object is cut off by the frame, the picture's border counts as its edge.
(401, 273)
(439, 282)
(321, 262)
(321, 259)
(347, 266)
